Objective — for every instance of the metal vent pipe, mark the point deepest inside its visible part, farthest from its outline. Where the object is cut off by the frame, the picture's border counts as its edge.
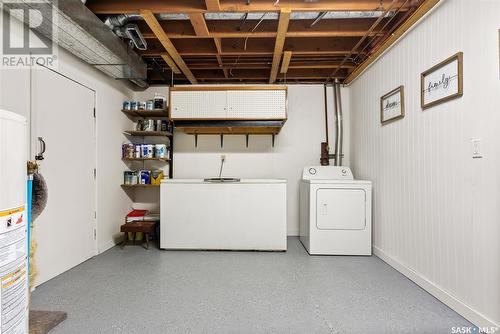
(339, 124)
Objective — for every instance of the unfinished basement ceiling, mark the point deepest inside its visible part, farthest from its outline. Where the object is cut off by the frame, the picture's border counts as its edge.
(252, 41)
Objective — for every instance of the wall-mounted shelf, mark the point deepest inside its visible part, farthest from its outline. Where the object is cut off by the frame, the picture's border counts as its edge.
(222, 128)
(148, 133)
(140, 186)
(205, 127)
(147, 113)
(147, 159)
(227, 130)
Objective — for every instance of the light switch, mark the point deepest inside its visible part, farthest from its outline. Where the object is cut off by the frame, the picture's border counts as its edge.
(476, 148)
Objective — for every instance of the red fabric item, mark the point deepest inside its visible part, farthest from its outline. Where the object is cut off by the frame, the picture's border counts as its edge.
(137, 213)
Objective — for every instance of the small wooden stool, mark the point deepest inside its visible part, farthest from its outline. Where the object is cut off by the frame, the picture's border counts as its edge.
(141, 226)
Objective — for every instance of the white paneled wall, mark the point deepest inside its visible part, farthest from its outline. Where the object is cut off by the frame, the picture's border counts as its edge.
(436, 215)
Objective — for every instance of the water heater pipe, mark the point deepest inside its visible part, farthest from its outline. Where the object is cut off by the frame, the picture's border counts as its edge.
(339, 124)
(326, 114)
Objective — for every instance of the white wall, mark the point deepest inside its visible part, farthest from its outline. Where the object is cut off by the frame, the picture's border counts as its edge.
(112, 202)
(436, 214)
(297, 146)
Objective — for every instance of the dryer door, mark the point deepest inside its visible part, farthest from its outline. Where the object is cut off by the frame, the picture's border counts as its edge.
(340, 209)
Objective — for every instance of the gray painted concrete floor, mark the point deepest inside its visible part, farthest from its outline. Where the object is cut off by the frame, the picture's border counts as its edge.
(139, 291)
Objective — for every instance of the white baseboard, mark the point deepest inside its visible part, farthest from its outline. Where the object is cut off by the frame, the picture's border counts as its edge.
(105, 246)
(452, 302)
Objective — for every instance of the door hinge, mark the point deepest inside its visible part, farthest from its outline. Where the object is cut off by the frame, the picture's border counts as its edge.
(95, 234)
(95, 173)
(94, 112)
(95, 214)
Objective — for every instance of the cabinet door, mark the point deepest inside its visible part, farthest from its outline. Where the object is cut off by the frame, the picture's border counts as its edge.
(256, 104)
(198, 104)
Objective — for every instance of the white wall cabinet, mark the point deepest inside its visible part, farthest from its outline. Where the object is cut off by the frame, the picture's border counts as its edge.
(228, 103)
(256, 104)
(198, 104)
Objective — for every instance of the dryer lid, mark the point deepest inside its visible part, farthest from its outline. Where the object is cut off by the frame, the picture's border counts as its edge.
(327, 173)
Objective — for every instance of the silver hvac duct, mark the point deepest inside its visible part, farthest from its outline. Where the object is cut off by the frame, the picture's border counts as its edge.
(72, 26)
(339, 124)
(122, 28)
(114, 21)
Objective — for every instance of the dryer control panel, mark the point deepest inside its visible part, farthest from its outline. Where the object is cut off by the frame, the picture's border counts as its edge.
(327, 173)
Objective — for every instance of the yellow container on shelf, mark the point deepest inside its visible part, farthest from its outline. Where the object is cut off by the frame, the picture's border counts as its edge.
(156, 177)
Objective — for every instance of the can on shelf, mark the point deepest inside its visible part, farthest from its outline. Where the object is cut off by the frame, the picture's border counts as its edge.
(148, 150)
(134, 177)
(164, 125)
(156, 176)
(148, 125)
(133, 105)
(159, 101)
(160, 150)
(126, 105)
(139, 125)
(137, 151)
(150, 105)
(141, 105)
(145, 177)
(158, 125)
(128, 150)
(127, 177)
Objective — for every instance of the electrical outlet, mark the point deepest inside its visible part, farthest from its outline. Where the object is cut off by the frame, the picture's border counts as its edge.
(476, 148)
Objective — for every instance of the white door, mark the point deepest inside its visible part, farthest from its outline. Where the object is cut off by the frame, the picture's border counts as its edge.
(341, 209)
(63, 115)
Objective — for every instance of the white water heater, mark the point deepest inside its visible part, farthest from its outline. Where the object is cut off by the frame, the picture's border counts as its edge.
(13, 224)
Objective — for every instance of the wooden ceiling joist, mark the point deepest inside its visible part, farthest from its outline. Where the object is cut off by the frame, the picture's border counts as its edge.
(218, 46)
(424, 8)
(301, 5)
(167, 44)
(238, 48)
(245, 74)
(255, 47)
(201, 29)
(197, 6)
(285, 63)
(261, 75)
(251, 53)
(212, 5)
(267, 28)
(264, 65)
(199, 24)
(170, 62)
(280, 42)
